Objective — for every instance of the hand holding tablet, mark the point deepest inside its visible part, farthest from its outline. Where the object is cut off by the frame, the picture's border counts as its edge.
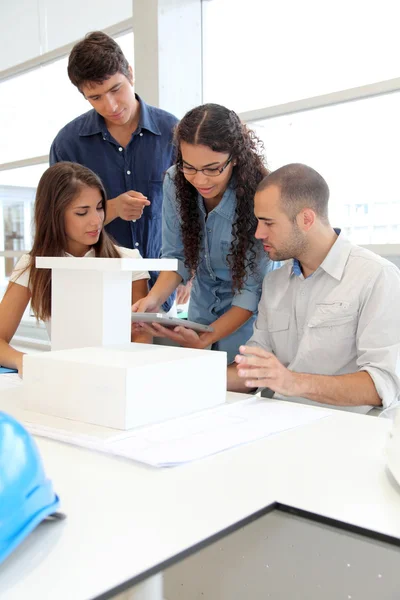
(170, 322)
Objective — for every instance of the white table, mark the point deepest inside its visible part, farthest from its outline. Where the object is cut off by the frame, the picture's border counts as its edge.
(126, 521)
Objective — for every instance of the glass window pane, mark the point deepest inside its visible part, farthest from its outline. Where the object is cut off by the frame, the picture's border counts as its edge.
(126, 43)
(36, 105)
(29, 126)
(17, 197)
(355, 147)
(259, 53)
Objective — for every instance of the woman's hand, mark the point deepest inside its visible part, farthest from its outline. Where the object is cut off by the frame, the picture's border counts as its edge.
(181, 335)
(183, 293)
(146, 304)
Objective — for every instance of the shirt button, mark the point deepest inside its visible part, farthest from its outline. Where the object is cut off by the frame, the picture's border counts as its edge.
(303, 293)
(120, 149)
(136, 244)
(141, 134)
(128, 172)
(209, 230)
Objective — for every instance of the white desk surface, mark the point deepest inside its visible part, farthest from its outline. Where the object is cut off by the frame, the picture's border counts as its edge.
(125, 518)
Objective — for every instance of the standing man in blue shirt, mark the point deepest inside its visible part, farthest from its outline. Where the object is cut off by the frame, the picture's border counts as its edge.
(124, 140)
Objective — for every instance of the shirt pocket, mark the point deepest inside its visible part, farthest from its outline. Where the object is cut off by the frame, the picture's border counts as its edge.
(334, 314)
(333, 330)
(225, 247)
(155, 195)
(278, 333)
(278, 321)
(218, 251)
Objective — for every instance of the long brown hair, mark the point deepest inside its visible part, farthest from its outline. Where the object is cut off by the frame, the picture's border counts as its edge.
(58, 187)
(221, 130)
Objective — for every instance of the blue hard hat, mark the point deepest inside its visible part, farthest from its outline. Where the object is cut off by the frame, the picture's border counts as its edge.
(26, 496)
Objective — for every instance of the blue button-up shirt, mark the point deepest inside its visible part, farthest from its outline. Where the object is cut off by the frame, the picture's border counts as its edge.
(140, 167)
(212, 294)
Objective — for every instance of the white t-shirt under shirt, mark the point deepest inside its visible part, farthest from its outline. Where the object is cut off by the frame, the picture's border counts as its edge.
(20, 273)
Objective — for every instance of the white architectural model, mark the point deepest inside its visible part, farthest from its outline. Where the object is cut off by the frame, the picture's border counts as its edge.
(93, 373)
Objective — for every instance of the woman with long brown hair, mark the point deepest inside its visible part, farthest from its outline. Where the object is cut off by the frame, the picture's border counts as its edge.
(209, 226)
(69, 215)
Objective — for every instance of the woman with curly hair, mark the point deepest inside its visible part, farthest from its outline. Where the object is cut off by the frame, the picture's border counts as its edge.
(209, 226)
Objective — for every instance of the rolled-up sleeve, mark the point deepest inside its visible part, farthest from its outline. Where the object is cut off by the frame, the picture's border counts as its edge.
(172, 243)
(378, 334)
(249, 296)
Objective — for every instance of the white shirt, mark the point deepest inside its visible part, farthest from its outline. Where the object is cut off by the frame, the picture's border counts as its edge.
(342, 319)
(21, 276)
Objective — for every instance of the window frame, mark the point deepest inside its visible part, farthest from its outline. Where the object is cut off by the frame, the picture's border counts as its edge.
(30, 333)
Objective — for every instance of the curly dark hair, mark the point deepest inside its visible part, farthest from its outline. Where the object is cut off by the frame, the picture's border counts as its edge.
(221, 130)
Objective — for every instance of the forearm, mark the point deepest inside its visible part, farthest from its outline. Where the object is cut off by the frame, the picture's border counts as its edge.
(166, 283)
(141, 337)
(355, 389)
(111, 211)
(9, 357)
(232, 320)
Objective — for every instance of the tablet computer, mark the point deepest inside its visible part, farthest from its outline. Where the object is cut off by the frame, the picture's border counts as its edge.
(167, 321)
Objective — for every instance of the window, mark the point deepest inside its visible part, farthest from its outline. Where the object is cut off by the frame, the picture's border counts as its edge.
(36, 105)
(355, 147)
(29, 127)
(17, 196)
(126, 42)
(258, 53)
(33, 108)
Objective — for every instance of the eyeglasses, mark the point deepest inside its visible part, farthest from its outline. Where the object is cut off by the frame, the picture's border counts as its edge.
(208, 172)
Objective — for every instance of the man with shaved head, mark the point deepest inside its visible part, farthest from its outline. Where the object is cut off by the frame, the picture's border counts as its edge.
(328, 327)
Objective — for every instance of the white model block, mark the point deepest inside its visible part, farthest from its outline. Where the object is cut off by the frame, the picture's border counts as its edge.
(97, 315)
(91, 298)
(124, 386)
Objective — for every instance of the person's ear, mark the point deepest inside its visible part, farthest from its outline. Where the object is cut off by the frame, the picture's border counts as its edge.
(307, 219)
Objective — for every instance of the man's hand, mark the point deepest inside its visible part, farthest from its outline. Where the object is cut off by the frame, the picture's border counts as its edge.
(129, 206)
(262, 369)
(183, 293)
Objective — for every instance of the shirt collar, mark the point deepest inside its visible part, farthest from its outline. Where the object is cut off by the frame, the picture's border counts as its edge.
(146, 120)
(334, 262)
(227, 207)
(336, 259)
(92, 124)
(95, 123)
(88, 254)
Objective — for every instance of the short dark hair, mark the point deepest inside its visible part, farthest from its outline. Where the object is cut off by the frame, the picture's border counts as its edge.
(300, 187)
(95, 59)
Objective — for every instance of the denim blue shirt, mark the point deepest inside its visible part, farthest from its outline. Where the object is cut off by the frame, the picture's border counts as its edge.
(212, 294)
(140, 167)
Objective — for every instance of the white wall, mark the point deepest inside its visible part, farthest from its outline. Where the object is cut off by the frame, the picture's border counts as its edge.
(30, 28)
